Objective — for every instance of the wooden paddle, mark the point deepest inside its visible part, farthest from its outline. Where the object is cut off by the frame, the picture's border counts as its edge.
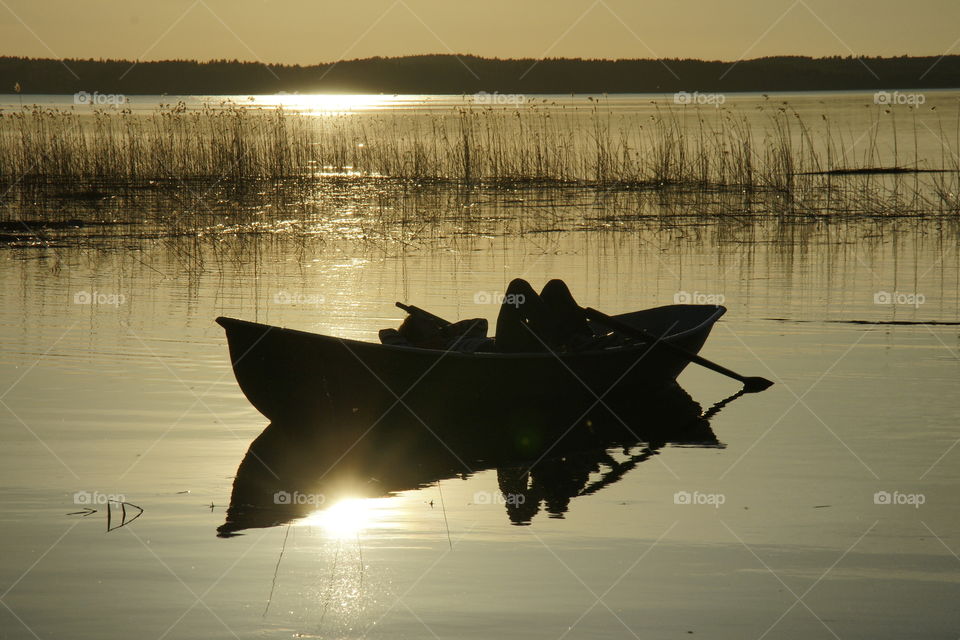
(417, 311)
(751, 384)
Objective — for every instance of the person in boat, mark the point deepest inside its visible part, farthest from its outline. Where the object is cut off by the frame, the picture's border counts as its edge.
(549, 321)
(528, 322)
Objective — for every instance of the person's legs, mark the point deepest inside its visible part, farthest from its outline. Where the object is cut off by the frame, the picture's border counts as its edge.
(520, 313)
(567, 319)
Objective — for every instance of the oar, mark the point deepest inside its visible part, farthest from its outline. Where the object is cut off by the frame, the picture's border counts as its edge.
(417, 311)
(751, 384)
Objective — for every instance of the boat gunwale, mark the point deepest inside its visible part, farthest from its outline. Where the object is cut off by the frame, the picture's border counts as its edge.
(719, 310)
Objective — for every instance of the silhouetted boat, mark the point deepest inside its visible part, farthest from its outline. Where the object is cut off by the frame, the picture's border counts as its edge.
(298, 377)
(286, 463)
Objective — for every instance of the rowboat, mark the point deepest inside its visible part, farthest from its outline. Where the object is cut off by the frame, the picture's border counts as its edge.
(296, 377)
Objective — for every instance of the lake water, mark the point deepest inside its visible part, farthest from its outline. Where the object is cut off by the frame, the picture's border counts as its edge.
(830, 510)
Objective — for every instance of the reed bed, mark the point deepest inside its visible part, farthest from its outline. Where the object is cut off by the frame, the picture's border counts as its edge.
(672, 147)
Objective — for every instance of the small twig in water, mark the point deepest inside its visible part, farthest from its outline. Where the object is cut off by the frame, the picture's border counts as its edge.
(276, 570)
(444, 508)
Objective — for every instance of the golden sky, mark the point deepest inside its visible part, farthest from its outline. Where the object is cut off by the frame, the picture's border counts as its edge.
(311, 31)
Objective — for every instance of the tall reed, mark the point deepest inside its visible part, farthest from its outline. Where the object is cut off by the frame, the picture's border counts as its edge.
(671, 146)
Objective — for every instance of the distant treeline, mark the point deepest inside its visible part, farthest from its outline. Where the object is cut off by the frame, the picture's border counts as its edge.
(469, 74)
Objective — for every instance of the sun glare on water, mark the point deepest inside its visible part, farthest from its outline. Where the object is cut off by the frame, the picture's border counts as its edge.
(324, 104)
(348, 517)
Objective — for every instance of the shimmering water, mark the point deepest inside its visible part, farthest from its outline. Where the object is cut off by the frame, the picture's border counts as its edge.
(116, 382)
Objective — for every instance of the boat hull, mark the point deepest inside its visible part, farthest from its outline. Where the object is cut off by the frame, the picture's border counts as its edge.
(297, 377)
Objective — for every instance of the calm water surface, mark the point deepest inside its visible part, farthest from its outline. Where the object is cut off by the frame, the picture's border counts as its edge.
(132, 397)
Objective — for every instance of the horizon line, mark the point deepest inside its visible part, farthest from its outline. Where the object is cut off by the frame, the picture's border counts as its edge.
(480, 57)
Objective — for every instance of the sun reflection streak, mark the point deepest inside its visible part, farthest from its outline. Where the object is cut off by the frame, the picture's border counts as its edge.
(325, 104)
(349, 517)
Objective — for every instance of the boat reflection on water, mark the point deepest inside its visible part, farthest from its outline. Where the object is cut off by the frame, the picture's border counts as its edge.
(291, 472)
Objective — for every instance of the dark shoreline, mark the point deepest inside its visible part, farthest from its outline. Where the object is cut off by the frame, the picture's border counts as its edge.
(462, 74)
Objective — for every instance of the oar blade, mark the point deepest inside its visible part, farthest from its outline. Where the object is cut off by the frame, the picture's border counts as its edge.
(755, 384)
